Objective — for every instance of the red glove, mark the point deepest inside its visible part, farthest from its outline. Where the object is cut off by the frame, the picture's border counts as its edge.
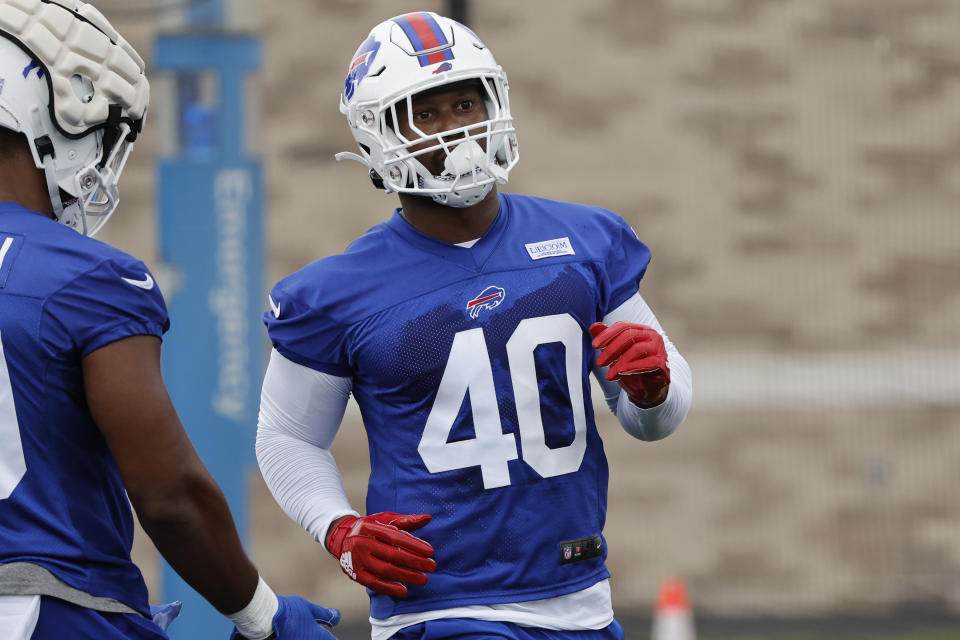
(637, 358)
(376, 550)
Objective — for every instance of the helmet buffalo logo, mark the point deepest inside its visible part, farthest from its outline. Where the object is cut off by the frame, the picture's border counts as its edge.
(33, 65)
(446, 66)
(360, 67)
(488, 299)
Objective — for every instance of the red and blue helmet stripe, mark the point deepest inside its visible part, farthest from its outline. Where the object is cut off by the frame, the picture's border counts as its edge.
(425, 34)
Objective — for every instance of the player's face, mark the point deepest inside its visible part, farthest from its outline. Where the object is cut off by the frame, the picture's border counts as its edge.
(439, 110)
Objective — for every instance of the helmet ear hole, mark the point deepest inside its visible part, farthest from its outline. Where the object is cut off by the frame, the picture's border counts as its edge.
(82, 88)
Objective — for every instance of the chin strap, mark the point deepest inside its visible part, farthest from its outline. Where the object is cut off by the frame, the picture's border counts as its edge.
(468, 159)
(71, 214)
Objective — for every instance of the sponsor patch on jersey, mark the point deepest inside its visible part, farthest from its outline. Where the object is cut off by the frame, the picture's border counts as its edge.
(581, 549)
(550, 248)
(488, 299)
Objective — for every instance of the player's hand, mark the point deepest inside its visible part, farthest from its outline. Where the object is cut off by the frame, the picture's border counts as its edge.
(377, 551)
(299, 619)
(637, 359)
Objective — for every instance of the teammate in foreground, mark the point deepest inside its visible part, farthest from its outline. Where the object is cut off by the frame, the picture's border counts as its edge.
(466, 326)
(85, 419)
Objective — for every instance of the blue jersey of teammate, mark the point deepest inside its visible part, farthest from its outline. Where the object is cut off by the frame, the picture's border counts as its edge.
(470, 367)
(62, 503)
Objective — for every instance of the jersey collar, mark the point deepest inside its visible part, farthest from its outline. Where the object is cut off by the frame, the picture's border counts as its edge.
(473, 258)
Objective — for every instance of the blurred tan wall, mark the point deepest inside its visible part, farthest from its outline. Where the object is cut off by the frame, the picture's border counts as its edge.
(794, 166)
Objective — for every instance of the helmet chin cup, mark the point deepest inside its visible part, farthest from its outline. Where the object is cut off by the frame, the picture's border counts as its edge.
(457, 198)
(466, 158)
(468, 177)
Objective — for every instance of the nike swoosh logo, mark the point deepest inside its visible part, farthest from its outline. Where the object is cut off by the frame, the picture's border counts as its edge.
(146, 284)
(274, 307)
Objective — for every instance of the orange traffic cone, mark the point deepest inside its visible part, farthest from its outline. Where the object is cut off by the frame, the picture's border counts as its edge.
(673, 618)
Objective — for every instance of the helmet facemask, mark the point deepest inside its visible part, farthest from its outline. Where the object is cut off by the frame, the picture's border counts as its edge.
(475, 154)
(96, 188)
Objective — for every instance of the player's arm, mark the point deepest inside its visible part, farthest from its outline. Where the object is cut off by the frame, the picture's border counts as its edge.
(645, 380)
(300, 413)
(178, 503)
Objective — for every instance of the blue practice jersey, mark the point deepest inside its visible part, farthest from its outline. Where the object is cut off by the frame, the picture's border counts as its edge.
(470, 367)
(62, 504)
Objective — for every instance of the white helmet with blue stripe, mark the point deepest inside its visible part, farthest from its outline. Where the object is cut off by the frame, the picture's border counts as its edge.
(77, 92)
(407, 55)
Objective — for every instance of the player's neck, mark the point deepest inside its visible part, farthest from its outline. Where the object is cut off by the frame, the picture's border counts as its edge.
(450, 224)
(23, 183)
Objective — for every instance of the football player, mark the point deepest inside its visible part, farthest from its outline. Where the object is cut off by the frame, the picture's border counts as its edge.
(466, 327)
(85, 419)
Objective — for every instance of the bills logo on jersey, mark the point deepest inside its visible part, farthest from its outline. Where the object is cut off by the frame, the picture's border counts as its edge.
(360, 66)
(488, 299)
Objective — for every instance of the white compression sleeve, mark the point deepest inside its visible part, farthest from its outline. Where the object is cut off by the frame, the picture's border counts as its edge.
(662, 420)
(300, 414)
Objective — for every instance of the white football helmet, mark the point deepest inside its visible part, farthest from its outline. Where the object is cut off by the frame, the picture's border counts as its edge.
(77, 91)
(402, 57)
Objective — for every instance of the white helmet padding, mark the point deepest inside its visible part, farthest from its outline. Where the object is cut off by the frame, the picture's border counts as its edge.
(401, 58)
(77, 91)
